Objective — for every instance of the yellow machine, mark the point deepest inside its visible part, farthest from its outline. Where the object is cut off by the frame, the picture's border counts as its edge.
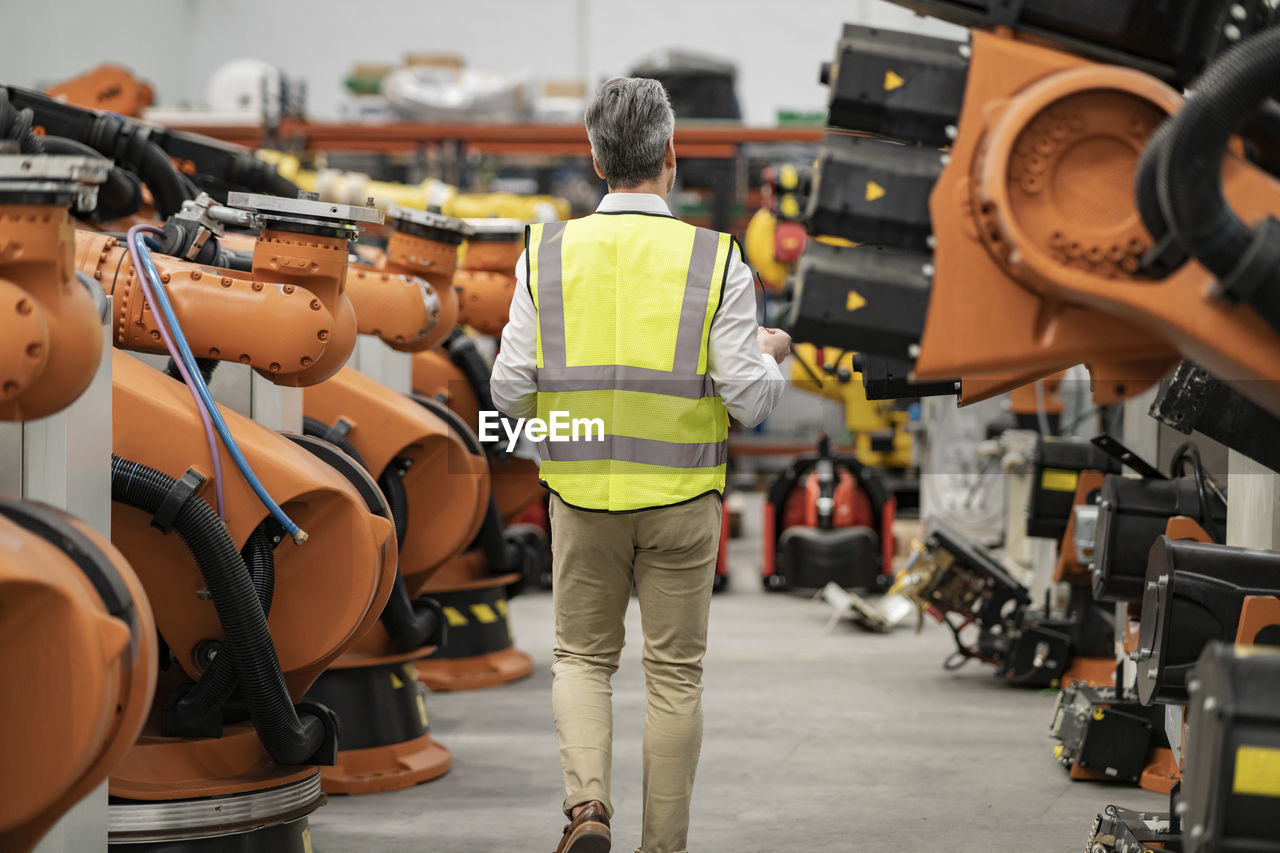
(881, 439)
(339, 186)
(775, 236)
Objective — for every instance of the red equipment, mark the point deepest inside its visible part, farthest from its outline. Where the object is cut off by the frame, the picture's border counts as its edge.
(828, 519)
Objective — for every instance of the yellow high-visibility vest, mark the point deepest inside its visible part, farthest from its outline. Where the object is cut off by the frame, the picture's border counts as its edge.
(625, 303)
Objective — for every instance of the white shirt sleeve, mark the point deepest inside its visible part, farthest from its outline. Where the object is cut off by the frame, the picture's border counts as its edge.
(513, 382)
(748, 381)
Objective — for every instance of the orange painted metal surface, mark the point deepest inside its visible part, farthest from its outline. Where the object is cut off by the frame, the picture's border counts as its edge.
(1022, 400)
(432, 264)
(328, 591)
(108, 87)
(981, 319)
(1038, 235)
(403, 311)
(475, 673)
(52, 338)
(386, 768)
(484, 299)
(86, 680)
(1182, 527)
(515, 486)
(1161, 773)
(485, 283)
(446, 484)
(1258, 613)
(290, 319)
(165, 768)
(1091, 671)
(436, 376)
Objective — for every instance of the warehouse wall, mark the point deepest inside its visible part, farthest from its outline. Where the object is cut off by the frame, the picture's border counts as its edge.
(51, 40)
(777, 44)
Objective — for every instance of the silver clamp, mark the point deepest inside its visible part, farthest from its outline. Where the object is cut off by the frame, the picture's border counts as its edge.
(496, 229)
(54, 174)
(428, 219)
(306, 210)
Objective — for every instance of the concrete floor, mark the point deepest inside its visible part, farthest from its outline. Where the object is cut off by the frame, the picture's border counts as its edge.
(815, 740)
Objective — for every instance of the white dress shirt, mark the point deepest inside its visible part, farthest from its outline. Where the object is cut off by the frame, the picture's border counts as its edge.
(748, 381)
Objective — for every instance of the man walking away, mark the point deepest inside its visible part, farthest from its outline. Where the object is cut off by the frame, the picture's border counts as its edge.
(634, 317)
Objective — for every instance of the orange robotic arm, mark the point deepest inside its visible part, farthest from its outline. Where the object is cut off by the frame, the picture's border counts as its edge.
(108, 87)
(409, 301)
(52, 328)
(289, 318)
(323, 596)
(327, 592)
(83, 657)
(487, 278)
(1044, 166)
(77, 640)
(927, 285)
(445, 481)
(1032, 255)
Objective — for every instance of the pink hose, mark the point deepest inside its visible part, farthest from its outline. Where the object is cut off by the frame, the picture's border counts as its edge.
(177, 359)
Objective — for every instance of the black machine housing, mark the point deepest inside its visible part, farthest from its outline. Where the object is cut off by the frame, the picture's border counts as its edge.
(1029, 646)
(1231, 783)
(1104, 730)
(1131, 515)
(1057, 468)
(1193, 595)
(1170, 39)
(1193, 399)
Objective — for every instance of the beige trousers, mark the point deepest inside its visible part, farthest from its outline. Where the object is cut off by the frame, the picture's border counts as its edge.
(670, 555)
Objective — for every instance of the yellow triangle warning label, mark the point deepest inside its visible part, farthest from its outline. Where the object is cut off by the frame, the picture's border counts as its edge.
(396, 683)
(893, 81)
(854, 301)
(874, 191)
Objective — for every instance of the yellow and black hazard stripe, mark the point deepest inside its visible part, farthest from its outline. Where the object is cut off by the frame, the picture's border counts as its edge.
(379, 705)
(478, 622)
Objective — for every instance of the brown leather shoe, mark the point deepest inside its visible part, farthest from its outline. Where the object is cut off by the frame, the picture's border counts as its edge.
(588, 832)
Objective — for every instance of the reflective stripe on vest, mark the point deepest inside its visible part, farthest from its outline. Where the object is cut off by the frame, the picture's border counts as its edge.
(631, 351)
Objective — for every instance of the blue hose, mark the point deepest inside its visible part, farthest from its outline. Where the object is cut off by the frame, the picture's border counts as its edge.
(171, 320)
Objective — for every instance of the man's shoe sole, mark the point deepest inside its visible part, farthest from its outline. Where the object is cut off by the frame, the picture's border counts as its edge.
(591, 837)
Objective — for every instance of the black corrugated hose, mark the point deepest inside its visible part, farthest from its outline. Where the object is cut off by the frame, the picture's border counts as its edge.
(206, 697)
(410, 625)
(17, 124)
(1189, 172)
(169, 187)
(120, 196)
(464, 355)
(502, 554)
(1167, 254)
(207, 367)
(289, 738)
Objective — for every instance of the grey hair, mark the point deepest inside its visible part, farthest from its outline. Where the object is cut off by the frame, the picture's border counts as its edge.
(629, 122)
